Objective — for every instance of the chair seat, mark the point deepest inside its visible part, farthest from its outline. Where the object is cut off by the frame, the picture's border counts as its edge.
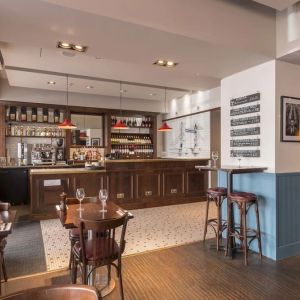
(242, 197)
(104, 248)
(219, 191)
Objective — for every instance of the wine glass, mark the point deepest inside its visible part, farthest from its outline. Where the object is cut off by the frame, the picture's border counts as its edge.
(80, 194)
(215, 157)
(103, 195)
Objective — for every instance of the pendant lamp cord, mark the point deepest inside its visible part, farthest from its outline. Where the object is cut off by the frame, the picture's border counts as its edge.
(67, 108)
(120, 99)
(165, 100)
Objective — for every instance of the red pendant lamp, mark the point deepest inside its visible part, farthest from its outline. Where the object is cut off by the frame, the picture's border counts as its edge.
(120, 125)
(67, 124)
(165, 127)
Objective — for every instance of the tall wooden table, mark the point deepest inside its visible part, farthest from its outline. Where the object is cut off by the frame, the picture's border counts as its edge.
(230, 171)
(92, 212)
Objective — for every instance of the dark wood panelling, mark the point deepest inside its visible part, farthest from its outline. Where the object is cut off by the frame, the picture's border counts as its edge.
(148, 185)
(196, 183)
(173, 183)
(121, 187)
(91, 184)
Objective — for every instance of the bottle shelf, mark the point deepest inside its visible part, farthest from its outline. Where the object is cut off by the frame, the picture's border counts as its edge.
(30, 123)
(133, 127)
(40, 136)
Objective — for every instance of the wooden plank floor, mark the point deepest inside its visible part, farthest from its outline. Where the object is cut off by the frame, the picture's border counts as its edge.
(192, 272)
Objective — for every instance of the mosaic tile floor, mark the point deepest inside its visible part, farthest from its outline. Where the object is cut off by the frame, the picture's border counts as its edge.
(151, 228)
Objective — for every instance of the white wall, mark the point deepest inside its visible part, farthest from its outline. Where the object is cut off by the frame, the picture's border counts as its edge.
(190, 145)
(288, 30)
(191, 103)
(287, 84)
(20, 94)
(257, 79)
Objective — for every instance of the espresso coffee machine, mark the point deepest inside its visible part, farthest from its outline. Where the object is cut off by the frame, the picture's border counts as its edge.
(43, 154)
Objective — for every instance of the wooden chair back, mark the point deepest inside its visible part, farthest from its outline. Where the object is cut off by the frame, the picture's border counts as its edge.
(103, 238)
(57, 292)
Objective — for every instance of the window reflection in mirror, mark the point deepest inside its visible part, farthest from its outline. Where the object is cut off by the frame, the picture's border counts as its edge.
(89, 131)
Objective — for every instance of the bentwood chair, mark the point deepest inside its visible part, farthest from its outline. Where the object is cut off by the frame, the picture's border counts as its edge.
(4, 206)
(57, 292)
(74, 232)
(100, 248)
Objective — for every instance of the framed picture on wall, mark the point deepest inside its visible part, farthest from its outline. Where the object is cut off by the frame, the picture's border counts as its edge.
(95, 142)
(290, 119)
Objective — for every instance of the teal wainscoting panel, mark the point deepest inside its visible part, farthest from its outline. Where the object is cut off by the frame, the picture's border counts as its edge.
(264, 186)
(288, 213)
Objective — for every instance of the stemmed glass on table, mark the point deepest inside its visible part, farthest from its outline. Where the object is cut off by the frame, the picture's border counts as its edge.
(215, 157)
(80, 194)
(103, 195)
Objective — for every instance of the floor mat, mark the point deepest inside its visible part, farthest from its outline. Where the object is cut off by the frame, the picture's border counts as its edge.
(24, 252)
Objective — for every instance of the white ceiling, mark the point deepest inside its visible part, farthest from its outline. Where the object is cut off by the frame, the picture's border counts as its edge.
(129, 35)
(277, 4)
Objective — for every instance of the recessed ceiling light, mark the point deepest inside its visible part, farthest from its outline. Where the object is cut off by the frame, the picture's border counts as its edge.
(123, 91)
(152, 94)
(51, 82)
(79, 48)
(89, 87)
(165, 63)
(71, 46)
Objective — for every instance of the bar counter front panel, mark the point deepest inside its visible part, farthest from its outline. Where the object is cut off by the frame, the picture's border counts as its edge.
(131, 184)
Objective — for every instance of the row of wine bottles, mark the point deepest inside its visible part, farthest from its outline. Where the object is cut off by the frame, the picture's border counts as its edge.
(133, 121)
(132, 151)
(130, 139)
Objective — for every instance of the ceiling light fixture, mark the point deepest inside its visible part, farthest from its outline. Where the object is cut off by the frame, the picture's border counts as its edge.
(89, 87)
(122, 91)
(67, 124)
(51, 82)
(165, 63)
(165, 127)
(70, 46)
(152, 94)
(120, 124)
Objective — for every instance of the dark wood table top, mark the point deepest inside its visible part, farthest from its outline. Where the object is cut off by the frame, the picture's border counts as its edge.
(7, 217)
(91, 212)
(232, 169)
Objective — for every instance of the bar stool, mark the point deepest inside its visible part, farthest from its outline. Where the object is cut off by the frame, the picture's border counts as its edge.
(243, 202)
(217, 195)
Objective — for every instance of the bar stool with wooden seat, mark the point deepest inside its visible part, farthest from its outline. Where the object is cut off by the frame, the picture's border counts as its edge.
(216, 195)
(244, 201)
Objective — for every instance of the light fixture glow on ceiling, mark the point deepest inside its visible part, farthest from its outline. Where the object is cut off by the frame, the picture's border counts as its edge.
(165, 63)
(51, 82)
(89, 87)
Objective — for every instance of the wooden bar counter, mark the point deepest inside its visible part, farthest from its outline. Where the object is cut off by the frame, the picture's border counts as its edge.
(131, 183)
